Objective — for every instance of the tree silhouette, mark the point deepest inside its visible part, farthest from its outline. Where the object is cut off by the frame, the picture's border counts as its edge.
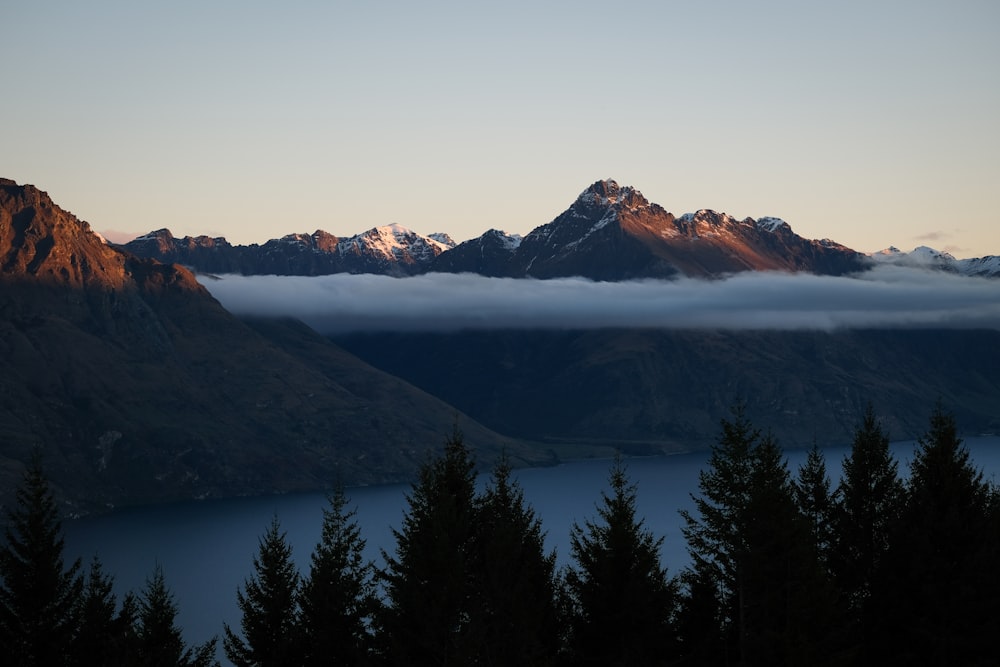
(815, 501)
(338, 599)
(269, 602)
(428, 582)
(866, 506)
(514, 619)
(716, 535)
(623, 601)
(39, 595)
(751, 544)
(106, 634)
(939, 604)
(159, 640)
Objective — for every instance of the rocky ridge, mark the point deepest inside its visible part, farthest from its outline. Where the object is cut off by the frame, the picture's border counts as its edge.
(139, 387)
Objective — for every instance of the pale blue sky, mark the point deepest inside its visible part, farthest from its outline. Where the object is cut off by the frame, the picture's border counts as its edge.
(871, 123)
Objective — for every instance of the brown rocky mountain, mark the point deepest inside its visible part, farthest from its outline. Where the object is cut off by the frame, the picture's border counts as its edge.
(610, 233)
(614, 233)
(139, 387)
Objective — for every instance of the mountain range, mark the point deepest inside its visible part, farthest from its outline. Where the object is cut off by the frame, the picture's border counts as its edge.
(610, 232)
(138, 386)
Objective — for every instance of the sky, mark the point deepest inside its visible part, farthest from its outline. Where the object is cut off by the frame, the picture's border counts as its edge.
(870, 123)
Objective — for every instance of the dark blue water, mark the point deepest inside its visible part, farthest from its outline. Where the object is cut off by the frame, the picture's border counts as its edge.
(205, 547)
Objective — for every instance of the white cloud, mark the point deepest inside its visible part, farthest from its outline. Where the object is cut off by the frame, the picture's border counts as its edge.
(888, 296)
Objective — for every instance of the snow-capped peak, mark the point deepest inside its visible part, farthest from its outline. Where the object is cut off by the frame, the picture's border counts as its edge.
(393, 242)
(770, 224)
(919, 256)
(508, 241)
(609, 193)
(929, 258)
(443, 239)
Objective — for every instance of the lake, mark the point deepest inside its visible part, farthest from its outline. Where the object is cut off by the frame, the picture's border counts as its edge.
(205, 547)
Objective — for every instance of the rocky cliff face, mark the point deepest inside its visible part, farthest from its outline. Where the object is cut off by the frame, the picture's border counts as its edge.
(139, 387)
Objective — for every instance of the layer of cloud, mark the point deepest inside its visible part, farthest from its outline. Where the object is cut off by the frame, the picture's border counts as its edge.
(889, 296)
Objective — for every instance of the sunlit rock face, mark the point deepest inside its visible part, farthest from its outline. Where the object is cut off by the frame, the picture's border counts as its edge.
(138, 386)
(612, 232)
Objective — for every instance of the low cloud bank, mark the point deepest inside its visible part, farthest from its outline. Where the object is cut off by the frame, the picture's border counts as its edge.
(888, 296)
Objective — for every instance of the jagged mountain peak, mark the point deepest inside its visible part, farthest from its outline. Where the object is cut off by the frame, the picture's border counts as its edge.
(443, 238)
(510, 241)
(42, 242)
(772, 224)
(609, 193)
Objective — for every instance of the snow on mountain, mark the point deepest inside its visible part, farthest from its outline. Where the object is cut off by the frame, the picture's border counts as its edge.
(988, 266)
(929, 258)
(443, 239)
(769, 224)
(393, 244)
(609, 232)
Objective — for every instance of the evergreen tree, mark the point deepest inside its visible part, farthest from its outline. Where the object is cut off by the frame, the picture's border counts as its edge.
(338, 599)
(159, 640)
(788, 603)
(624, 603)
(939, 606)
(515, 620)
(750, 540)
(716, 535)
(428, 582)
(106, 634)
(815, 501)
(268, 602)
(700, 619)
(867, 504)
(39, 595)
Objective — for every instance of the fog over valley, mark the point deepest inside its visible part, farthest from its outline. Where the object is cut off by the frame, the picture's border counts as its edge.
(885, 297)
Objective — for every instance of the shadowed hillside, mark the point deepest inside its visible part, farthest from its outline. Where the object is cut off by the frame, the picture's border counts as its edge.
(139, 387)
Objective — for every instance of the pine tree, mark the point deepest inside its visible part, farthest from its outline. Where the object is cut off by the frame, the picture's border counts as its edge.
(39, 595)
(624, 602)
(515, 620)
(867, 504)
(815, 501)
(159, 640)
(751, 542)
(338, 600)
(786, 594)
(939, 604)
(428, 582)
(269, 603)
(700, 619)
(106, 634)
(716, 535)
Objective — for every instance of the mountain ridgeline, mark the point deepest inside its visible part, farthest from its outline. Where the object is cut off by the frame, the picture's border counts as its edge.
(139, 387)
(610, 232)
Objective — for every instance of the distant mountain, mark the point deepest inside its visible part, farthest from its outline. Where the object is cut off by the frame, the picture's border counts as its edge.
(610, 232)
(929, 258)
(648, 391)
(488, 255)
(139, 387)
(390, 250)
(614, 233)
